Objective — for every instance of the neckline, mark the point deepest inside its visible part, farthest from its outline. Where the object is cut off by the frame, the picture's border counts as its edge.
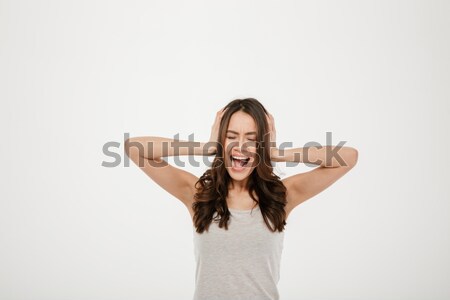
(243, 211)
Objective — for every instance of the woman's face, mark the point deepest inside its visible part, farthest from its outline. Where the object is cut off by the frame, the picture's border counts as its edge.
(240, 142)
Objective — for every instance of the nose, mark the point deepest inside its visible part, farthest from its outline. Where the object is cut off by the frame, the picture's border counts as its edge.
(238, 144)
(240, 147)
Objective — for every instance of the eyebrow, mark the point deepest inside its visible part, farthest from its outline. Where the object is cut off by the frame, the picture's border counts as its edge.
(248, 133)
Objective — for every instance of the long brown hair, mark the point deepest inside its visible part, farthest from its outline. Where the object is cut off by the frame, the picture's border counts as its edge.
(212, 186)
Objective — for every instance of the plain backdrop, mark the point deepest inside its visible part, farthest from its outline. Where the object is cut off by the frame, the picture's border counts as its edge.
(77, 76)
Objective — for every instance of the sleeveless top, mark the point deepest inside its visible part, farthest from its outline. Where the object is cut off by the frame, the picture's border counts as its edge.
(241, 263)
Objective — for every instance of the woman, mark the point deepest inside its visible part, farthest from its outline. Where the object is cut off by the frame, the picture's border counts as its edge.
(239, 207)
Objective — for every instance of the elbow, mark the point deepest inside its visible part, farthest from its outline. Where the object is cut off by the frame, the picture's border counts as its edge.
(134, 148)
(127, 146)
(352, 157)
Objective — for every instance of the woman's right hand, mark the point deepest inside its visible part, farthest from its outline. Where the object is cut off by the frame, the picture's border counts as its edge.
(214, 138)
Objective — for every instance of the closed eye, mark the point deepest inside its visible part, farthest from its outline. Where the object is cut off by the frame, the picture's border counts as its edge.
(230, 137)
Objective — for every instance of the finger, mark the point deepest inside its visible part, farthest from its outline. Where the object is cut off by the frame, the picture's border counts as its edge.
(269, 120)
(220, 113)
(272, 126)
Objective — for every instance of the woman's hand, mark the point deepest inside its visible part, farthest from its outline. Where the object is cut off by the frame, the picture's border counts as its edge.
(214, 138)
(273, 137)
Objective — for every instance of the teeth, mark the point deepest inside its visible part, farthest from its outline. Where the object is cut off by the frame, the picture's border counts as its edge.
(240, 158)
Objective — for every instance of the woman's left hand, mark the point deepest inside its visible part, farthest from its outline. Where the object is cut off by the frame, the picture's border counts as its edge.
(273, 137)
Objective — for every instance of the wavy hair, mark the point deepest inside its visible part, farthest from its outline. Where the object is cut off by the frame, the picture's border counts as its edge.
(212, 186)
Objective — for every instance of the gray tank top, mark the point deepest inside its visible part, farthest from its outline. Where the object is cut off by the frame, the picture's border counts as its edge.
(241, 263)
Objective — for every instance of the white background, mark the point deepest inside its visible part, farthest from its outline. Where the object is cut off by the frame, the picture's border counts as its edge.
(76, 75)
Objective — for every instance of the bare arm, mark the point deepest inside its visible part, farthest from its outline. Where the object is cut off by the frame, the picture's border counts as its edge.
(303, 186)
(146, 153)
(326, 156)
(334, 162)
(154, 147)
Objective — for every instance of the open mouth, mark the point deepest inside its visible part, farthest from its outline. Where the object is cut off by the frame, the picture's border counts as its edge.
(239, 162)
